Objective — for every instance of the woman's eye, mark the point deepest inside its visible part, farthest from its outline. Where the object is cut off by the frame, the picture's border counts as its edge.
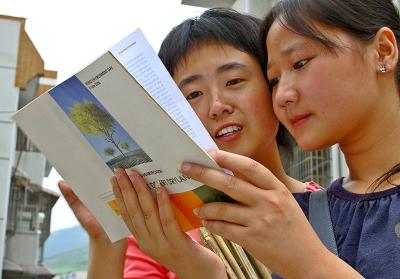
(234, 81)
(299, 64)
(273, 82)
(193, 95)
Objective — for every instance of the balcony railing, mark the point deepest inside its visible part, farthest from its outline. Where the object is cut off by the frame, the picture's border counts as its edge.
(24, 143)
(311, 166)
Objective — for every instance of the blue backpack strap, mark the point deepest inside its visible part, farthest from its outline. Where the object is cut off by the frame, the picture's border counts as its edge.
(320, 219)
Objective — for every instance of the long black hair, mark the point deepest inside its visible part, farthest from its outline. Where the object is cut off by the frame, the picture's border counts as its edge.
(361, 19)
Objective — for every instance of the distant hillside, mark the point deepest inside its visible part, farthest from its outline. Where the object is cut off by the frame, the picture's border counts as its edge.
(65, 240)
(74, 260)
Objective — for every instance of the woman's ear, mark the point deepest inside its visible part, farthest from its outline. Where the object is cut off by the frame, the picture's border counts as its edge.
(387, 50)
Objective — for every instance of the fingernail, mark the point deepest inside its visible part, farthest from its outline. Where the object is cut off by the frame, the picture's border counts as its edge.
(158, 190)
(132, 172)
(185, 166)
(131, 177)
(118, 171)
(196, 211)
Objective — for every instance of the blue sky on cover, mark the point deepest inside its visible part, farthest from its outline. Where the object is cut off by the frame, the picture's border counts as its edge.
(71, 91)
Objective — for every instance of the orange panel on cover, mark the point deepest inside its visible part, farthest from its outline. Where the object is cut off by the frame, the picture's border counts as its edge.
(181, 219)
(186, 202)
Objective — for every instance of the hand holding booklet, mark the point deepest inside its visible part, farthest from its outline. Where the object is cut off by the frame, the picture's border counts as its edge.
(122, 111)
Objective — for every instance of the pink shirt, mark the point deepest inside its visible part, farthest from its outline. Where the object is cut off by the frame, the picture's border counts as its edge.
(138, 265)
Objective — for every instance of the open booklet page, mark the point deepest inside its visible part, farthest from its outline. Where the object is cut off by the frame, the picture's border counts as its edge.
(123, 110)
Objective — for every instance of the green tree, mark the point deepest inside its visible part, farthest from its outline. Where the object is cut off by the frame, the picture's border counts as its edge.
(92, 120)
(124, 145)
(109, 151)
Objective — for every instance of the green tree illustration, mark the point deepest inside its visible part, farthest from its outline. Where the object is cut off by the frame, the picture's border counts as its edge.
(109, 151)
(92, 120)
(124, 145)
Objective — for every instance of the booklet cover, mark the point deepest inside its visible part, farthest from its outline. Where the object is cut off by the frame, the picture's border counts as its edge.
(123, 110)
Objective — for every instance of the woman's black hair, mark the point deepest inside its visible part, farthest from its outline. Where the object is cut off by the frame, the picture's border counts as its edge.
(221, 26)
(361, 19)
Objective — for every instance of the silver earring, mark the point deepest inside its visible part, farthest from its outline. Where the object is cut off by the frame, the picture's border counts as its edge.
(382, 68)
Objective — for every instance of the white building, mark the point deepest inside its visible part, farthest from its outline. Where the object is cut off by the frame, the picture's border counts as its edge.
(73, 275)
(257, 8)
(25, 221)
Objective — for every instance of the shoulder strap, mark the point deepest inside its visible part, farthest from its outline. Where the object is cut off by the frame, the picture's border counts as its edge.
(320, 219)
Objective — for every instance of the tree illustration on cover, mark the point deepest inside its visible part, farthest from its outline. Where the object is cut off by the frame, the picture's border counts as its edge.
(103, 132)
(109, 151)
(124, 145)
(92, 120)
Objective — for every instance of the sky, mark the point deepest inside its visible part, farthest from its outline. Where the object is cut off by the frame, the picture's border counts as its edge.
(70, 34)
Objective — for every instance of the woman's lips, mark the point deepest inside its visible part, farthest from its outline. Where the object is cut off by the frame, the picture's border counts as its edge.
(299, 120)
(228, 132)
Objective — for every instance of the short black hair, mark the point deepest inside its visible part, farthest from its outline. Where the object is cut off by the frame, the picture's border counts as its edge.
(221, 26)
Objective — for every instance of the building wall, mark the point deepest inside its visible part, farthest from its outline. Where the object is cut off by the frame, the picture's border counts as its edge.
(258, 8)
(32, 164)
(22, 248)
(22, 78)
(9, 29)
(30, 63)
(28, 94)
(72, 275)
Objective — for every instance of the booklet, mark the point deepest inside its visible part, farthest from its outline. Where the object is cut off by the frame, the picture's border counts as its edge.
(123, 110)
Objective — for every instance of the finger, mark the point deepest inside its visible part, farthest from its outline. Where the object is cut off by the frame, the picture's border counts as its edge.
(131, 218)
(234, 187)
(251, 170)
(71, 198)
(167, 216)
(147, 204)
(138, 189)
(227, 212)
(233, 232)
(81, 212)
(68, 193)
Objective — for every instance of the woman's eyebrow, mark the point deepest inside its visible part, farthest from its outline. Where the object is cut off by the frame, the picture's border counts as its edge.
(230, 66)
(288, 49)
(223, 68)
(188, 80)
(292, 47)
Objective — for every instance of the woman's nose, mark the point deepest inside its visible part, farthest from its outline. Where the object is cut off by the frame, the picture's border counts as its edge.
(219, 108)
(285, 95)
